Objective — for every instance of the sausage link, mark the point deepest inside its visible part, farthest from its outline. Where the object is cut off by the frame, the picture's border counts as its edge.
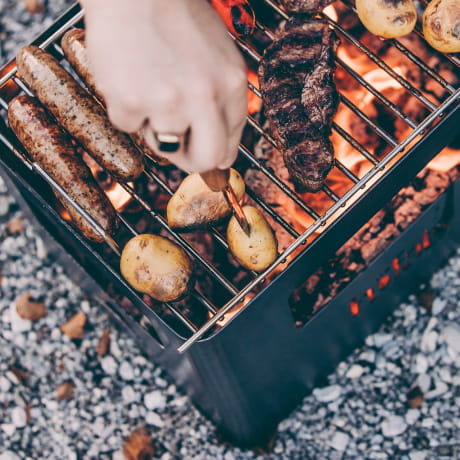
(52, 149)
(78, 113)
(74, 47)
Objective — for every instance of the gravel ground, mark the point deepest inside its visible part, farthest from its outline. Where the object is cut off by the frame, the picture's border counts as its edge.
(59, 400)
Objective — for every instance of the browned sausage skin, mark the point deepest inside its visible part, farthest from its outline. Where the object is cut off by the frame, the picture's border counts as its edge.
(52, 149)
(78, 113)
(74, 47)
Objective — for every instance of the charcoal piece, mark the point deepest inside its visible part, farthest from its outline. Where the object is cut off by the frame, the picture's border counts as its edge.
(304, 6)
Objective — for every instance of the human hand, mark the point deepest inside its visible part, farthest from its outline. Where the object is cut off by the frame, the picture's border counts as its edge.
(169, 66)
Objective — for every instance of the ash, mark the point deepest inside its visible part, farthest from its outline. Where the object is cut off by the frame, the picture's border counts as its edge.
(396, 397)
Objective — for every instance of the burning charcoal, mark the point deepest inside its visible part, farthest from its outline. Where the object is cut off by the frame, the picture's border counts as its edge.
(65, 390)
(73, 328)
(28, 309)
(415, 397)
(138, 445)
(104, 343)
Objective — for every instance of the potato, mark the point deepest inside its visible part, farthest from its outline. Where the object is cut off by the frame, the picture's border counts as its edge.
(441, 25)
(387, 18)
(195, 205)
(156, 266)
(258, 250)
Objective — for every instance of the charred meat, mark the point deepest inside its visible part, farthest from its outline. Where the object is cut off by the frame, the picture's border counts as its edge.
(300, 98)
(304, 6)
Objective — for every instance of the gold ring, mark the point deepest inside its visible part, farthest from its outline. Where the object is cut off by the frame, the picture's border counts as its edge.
(169, 142)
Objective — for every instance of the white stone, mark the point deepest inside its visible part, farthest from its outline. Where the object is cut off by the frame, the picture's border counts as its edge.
(445, 375)
(438, 390)
(428, 422)
(327, 394)
(109, 365)
(420, 364)
(5, 384)
(438, 306)
(428, 342)
(380, 339)
(418, 455)
(9, 455)
(41, 249)
(18, 417)
(355, 371)
(451, 336)
(118, 455)
(152, 418)
(393, 426)
(412, 416)
(8, 429)
(154, 400)
(424, 382)
(126, 371)
(18, 324)
(129, 395)
(339, 441)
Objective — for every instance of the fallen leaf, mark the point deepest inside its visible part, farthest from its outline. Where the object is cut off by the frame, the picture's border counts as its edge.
(138, 445)
(73, 328)
(425, 299)
(104, 343)
(21, 375)
(34, 6)
(28, 414)
(415, 397)
(65, 390)
(28, 309)
(14, 225)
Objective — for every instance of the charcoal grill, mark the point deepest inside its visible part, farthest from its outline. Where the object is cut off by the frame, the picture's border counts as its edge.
(250, 372)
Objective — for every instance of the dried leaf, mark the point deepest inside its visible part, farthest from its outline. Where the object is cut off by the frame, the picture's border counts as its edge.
(65, 390)
(15, 225)
(34, 6)
(73, 328)
(28, 414)
(20, 374)
(138, 445)
(415, 397)
(104, 343)
(28, 309)
(425, 299)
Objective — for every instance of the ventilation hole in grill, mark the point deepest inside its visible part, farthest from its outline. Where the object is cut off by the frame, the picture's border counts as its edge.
(384, 281)
(354, 307)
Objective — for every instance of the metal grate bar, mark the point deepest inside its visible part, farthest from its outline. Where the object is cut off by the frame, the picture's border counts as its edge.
(330, 193)
(383, 65)
(346, 171)
(194, 293)
(242, 149)
(273, 214)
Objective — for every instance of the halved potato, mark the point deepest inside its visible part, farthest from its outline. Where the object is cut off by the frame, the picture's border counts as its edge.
(441, 25)
(387, 18)
(258, 250)
(195, 205)
(156, 266)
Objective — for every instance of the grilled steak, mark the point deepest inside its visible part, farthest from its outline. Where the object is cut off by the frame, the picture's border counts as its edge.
(297, 84)
(304, 6)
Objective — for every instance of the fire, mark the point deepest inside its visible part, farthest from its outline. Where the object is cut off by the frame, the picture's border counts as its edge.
(237, 15)
(254, 101)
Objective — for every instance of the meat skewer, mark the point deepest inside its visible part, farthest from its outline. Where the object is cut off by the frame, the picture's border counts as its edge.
(52, 149)
(300, 98)
(78, 113)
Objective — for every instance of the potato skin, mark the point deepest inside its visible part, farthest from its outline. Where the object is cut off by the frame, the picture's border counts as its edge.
(258, 250)
(387, 18)
(441, 25)
(195, 205)
(156, 266)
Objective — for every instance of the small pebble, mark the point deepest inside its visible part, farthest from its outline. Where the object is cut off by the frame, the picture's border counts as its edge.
(339, 441)
(109, 365)
(451, 336)
(154, 400)
(393, 426)
(355, 371)
(327, 394)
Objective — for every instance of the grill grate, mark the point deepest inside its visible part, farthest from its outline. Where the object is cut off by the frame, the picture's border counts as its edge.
(378, 169)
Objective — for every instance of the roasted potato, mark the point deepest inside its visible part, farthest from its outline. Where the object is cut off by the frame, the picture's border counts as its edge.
(195, 205)
(156, 266)
(387, 18)
(258, 250)
(441, 25)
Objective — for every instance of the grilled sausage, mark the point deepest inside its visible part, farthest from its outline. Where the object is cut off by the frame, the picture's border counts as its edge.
(52, 149)
(77, 112)
(74, 48)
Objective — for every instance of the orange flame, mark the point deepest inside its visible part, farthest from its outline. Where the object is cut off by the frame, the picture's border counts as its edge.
(237, 15)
